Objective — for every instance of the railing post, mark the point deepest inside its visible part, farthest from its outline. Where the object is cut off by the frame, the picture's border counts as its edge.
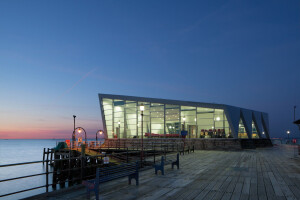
(69, 171)
(48, 154)
(82, 161)
(51, 155)
(47, 176)
(44, 156)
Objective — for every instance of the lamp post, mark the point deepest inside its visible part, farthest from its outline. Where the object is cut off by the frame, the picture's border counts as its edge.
(142, 108)
(119, 131)
(73, 135)
(79, 131)
(288, 133)
(100, 132)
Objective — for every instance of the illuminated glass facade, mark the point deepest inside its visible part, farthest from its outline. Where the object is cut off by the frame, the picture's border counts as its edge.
(121, 118)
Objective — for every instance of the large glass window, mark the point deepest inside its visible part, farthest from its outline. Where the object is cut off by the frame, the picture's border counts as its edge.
(157, 118)
(228, 133)
(123, 120)
(146, 118)
(172, 119)
(118, 121)
(108, 115)
(189, 120)
(205, 122)
(220, 123)
(242, 131)
(254, 131)
(130, 119)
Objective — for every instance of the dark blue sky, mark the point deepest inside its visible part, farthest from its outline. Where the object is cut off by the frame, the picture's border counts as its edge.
(55, 56)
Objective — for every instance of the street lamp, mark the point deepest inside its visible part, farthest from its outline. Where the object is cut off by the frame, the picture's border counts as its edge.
(80, 129)
(288, 133)
(73, 135)
(183, 123)
(100, 133)
(142, 108)
(119, 131)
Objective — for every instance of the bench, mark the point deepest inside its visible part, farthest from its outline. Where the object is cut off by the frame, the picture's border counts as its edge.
(186, 149)
(110, 173)
(161, 165)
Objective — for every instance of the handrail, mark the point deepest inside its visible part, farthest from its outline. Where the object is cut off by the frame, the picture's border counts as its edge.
(20, 177)
(82, 167)
(45, 173)
(25, 163)
(34, 188)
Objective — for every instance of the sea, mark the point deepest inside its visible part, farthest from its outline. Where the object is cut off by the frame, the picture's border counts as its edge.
(20, 151)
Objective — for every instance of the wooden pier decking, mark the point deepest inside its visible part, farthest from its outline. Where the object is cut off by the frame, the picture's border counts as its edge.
(269, 173)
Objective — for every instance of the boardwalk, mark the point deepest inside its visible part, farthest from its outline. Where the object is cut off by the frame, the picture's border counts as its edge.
(270, 173)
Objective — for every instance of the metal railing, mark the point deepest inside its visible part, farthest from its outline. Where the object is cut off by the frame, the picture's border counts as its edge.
(48, 172)
(150, 153)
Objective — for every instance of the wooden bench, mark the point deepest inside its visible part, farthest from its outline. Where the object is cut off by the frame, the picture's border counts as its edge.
(110, 173)
(186, 149)
(164, 160)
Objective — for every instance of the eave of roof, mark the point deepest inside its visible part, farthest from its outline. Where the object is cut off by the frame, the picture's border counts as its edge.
(168, 101)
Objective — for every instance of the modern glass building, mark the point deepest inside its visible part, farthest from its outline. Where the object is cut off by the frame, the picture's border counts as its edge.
(122, 118)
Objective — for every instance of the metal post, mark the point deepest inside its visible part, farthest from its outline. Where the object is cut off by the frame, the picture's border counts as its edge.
(48, 154)
(119, 132)
(44, 156)
(73, 135)
(142, 152)
(47, 176)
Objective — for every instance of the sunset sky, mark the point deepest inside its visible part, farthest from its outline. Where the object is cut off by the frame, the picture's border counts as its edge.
(56, 56)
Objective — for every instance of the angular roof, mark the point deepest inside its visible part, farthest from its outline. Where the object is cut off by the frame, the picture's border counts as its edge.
(167, 101)
(297, 122)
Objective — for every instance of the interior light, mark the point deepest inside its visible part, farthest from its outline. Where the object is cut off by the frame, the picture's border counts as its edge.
(142, 107)
(195, 119)
(218, 118)
(118, 108)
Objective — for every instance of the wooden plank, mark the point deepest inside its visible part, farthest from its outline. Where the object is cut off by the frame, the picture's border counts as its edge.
(246, 186)
(276, 187)
(251, 174)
